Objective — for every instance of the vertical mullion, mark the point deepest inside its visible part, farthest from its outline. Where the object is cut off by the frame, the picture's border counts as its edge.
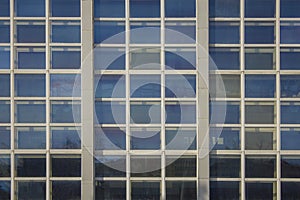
(163, 128)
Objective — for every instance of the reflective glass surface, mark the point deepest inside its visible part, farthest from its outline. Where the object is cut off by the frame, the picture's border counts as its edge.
(110, 166)
(145, 138)
(30, 31)
(260, 86)
(145, 58)
(5, 58)
(110, 190)
(65, 112)
(290, 139)
(4, 166)
(232, 115)
(144, 32)
(145, 8)
(260, 166)
(184, 166)
(30, 137)
(30, 8)
(30, 165)
(5, 137)
(109, 8)
(180, 113)
(288, 190)
(289, 33)
(290, 86)
(30, 112)
(4, 8)
(66, 166)
(5, 190)
(65, 85)
(61, 32)
(106, 29)
(109, 58)
(177, 190)
(290, 113)
(225, 138)
(289, 59)
(145, 112)
(180, 59)
(180, 138)
(145, 190)
(110, 139)
(289, 8)
(259, 114)
(224, 8)
(65, 8)
(259, 59)
(178, 32)
(67, 190)
(4, 85)
(30, 85)
(256, 191)
(259, 139)
(145, 166)
(5, 112)
(110, 86)
(31, 58)
(224, 190)
(225, 86)
(259, 33)
(225, 166)
(65, 138)
(65, 58)
(290, 167)
(224, 59)
(4, 32)
(145, 86)
(224, 33)
(180, 8)
(31, 190)
(180, 86)
(259, 8)
(110, 112)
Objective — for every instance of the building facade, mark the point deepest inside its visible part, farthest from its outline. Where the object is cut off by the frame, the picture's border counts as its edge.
(149, 99)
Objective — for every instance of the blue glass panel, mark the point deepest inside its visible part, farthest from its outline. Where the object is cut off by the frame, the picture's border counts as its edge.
(290, 113)
(30, 33)
(260, 167)
(289, 8)
(290, 60)
(225, 190)
(66, 166)
(289, 33)
(4, 10)
(290, 167)
(290, 140)
(31, 59)
(224, 139)
(5, 138)
(110, 86)
(65, 8)
(5, 189)
(181, 189)
(30, 85)
(4, 85)
(259, 8)
(31, 190)
(145, 112)
(180, 32)
(104, 166)
(145, 190)
(145, 86)
(66, 190)
(255, 191)
(66, 59)
(185, 60)
(225, 166)
(65, 112)
(180, 8)
(5, 112)
(110, 112)
(65, 85)
(145, 32)
(109, 58)
(224, 8)
(260, 86)
(4, 58)
(145, 8)
(109, 8)
(178, 86)
(61, 32)
(258, 33)
(180, 113)
(145, 139)
(105, 30)
(180, 139)
(65, 138)
(30, 112)
(224, 59)
(30, 165)
(290, 86)
(30, 8)
(224, 33)
(110, 139)
(232, 115)
(5, 166)
(288, 190)
(259, 114)
(31, 138)
(4, 32)
(259, 59)
(110, 190)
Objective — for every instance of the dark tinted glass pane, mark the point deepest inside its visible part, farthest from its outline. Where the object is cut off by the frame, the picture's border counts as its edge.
(30, 112)
(110, 112)
(145, 32)
(259, 8)
(290, 167)
(145, 112)
(180, 113)
(31, 58)
(289, 190)
(225, 139)
(4, 85)
(180, 8)
(225, 166)
(259, 114)
(289, 8)
(30, 138)
(180, 86)
(65, 85)
(290, 139)
(66, 166)
(290, 86)
(145, 86)
(110, 86)
(184, 59)
(5, 190)
(31, 190)
(232, 115)
(65, 112)
(4, 32)
(109, 58)
(259, 33)
(66, 58)
(4, 9)
(224, 8)
(224, 33)
(289, 33)
(289, 59)
(260, 59)
(145, 166)
(109, 8)
(145, 58)
(4, 57)
(145, 138)
(30, 32)
(103, 31)
(5, 138)
(110, 166)
(222, 190)
(225, 86)
(145, 190)
(146, 8)
(180, 32)
(259, 191)
(224, 59)
(31, 166)
(61, 32)
(66, 190)
(65, 8)
(259, 139)
(30, 85)
(111, 190)
(184, 166)
(180, 139)
(177, 190)
(5, 166)
(260, 86)
(260, 167)
(290, 113)
(5, 112)
(65, 138)
(30, 8)
(110, 139)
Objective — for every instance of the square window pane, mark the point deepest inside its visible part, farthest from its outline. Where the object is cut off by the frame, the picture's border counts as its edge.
(109, 32)
(110, 166)
(110, 190)
(260, 166)
(109, 58)
(5, 165)
(66, 165)
(224, 190)
(222, 112)
(31, 190)
(5, 58)
(180, 8)
(30, 165)
(255, 191)
(289, 59)
(110, 86)
(5, 111)
(5, 137)
(145, 112)
(109, 8)
(145, 166)
(61, 32)
(259, 113)
(180, 59)
(145, 190)
(110, 112)
(290, 86)
(177, 190)
(67, 190)
(259, 33)
(30, 112)
(66, 8)
(288, 190)
(65, 138)
(30, 85)
(65, 85)
(260, 86)
(4, 32)
(4, 85)
(259, 59)
(30, 137)
(30, 31)
(180, 112)
(145, 138)
(30, 8)
(142, 32)
(258, 8)
(180, 138)
(290, 167)
(222, 86)
(4, 9)
(224, 8)
(260, 139)
(31, 58)
(145, 59)
(181, 166)
(289, 8)
(65, 112)
(145, 86)
(224, 58)
(178, 32)
(180, 86)
(225, 166)
(225, 138)
(290, 138)
(290, 113)
(146, 8)
(110, 138)
(289, 33)
(5, 189)
(224, 33)
(65, 58)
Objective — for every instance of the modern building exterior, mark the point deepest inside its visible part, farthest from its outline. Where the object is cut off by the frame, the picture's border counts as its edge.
(149, 99)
